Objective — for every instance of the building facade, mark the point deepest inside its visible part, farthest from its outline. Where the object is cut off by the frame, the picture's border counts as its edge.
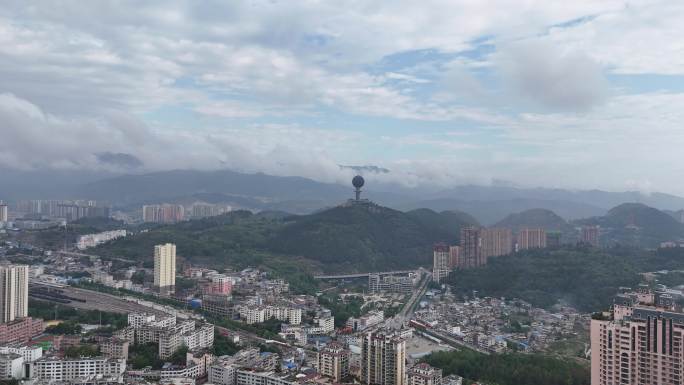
(470, 254)
(383, 359)
(639, 341)
(165, 266)
(440, 262)
(589, 235)
(424, 374)
(495, 242)
(333, 362)
(531, 239)
(13, 292)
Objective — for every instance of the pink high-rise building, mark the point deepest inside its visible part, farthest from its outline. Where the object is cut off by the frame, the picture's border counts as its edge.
(639, 341)
(590, 235)
(531, 239)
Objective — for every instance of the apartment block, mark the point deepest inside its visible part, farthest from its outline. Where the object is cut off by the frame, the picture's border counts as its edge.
(383, 359)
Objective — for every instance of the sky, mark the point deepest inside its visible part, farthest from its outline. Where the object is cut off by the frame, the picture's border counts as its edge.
(571, 94)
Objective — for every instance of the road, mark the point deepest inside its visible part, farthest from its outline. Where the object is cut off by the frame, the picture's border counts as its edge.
(401, 318)
(362, 275)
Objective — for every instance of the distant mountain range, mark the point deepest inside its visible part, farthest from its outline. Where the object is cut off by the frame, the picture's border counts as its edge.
(488, 204)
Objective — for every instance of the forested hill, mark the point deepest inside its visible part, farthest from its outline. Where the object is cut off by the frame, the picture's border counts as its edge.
(581, 277)
(344, 238)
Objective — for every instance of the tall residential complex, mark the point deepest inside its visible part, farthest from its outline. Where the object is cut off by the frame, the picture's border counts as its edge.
(470, 253)
(440, 265)
(165, 213)
(495, 242)
(165, 265)
(590, 235)
(639, 341)
(454, 256)
(333, 362)
(13, 292)
(383, 359)
(3, 212)
(531, 239)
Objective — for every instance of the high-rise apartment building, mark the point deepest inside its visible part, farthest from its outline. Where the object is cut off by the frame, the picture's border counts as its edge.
(383, 359)
(639, 341)
(495, 242)
(333, 362)
(440, 262)
(424, 374)
(531, 239)
(470, 254)
(165, 266)
(13, 292)
(590, 235)
(454, 256)
(165, 213)
(3, 212)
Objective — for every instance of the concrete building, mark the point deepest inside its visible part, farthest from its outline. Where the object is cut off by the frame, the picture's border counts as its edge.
(164, 213)
(11, 366)
(4, 212)
(13, 292)
(531, 239)
(383, 359)
(20, 330)
(78, 368)
(589, 235)
(400, 283)
(91, 240)
(639, 341)
(471, 248)
(424, 374)
(366, 321)
(165, 266)
(454, 256)
(333, 362)
(114, 348)
(495, 242)
(30, 353)
(440, 262)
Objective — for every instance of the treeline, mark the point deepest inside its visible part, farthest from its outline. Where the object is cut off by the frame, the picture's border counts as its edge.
(50, 311)
(510, 369)
(585, 278)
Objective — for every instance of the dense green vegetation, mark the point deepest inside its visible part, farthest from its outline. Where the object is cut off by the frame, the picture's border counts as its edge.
(637, 225)
(582, 277)
(341, 310)
(66, 327)
(366, 238)
(82, 351)
(510, 369)
(143, 355)
(341, 238)
(223, 346)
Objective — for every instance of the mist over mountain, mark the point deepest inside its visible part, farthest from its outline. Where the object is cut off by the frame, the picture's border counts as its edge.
(487, 204)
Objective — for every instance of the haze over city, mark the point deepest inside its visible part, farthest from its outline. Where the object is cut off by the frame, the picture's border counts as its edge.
(576, 95)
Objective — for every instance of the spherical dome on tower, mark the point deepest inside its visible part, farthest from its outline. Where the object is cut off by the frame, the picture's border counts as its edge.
(358, 181)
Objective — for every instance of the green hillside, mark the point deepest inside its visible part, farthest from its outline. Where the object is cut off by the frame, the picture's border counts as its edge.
(368, 238)
(354, 238)
(535, 218)
(582, 277)
(638, 225)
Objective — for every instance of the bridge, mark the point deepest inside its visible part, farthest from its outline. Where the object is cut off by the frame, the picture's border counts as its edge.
(362, 275)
